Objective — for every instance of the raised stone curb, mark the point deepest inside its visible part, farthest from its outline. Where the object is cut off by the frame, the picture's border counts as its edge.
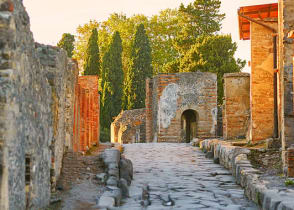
(235, 159)
(119, 172)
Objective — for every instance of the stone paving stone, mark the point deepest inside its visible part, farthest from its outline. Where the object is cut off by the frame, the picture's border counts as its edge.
(184, 173)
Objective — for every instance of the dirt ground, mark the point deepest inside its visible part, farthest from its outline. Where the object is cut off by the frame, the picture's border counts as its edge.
(78, 187)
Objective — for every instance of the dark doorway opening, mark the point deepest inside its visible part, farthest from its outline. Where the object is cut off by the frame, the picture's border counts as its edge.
(189, 124)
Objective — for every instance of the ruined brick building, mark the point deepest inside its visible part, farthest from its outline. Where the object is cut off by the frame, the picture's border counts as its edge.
(181, 106)
(264, 106)
(39, 91)
(86, 113)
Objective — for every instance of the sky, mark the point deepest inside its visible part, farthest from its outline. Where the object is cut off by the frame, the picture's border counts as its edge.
(51, 18)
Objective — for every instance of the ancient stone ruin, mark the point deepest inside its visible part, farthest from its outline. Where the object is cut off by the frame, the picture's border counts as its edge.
(47, 109)
(129, 127)
(180, 107)
(38, 95)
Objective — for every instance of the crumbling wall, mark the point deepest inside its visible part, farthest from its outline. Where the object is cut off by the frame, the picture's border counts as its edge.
(32, 115)
(54, 64)
(172, 94)
(262, 82)
(236, 108)
(148, 103)
(26, 116)
(72, 79)
(86, 113)
(129, 127)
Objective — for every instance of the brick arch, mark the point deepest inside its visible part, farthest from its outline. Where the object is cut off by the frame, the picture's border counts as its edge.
(179, 117)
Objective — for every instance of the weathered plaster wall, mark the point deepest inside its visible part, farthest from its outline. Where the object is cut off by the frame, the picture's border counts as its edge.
(129, 127)
(32, 109)
(236, 107)
(262, 82)
(172, 94)
(87, 109)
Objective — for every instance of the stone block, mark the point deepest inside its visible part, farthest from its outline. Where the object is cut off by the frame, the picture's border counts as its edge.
(106, 201)
(111, 156)
(115, 193)
(126, 170)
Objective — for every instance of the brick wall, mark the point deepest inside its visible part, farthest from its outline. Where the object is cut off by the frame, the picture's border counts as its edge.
(262, 82)
(236, 108)
(171, 95)
(87, 109)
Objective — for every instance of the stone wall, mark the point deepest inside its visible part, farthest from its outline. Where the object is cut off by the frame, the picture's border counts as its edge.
(32, 111)
(61, 73)
(171, 95)
(286, 49)
(72, 79)
(262, 82)
(86, 114)
(236, 107)
(129, 127)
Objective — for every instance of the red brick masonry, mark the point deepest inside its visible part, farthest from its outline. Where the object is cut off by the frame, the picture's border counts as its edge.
(86, 112)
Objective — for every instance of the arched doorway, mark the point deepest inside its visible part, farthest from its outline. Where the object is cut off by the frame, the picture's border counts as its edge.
(189, 125)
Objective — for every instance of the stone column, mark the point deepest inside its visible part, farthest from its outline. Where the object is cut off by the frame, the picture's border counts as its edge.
(236, 105)
(286, 49)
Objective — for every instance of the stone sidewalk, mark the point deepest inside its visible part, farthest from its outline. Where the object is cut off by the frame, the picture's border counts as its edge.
(183, 172)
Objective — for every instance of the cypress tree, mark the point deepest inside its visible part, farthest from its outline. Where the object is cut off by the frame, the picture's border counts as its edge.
(139, 69)
(92, 62)
(112, 81)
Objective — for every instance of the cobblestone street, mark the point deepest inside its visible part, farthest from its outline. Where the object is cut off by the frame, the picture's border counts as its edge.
(183, 172)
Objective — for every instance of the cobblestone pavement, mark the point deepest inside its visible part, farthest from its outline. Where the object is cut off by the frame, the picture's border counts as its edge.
(183, 172)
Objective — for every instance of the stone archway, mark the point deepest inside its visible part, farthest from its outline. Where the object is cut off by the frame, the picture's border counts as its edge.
(189, 125)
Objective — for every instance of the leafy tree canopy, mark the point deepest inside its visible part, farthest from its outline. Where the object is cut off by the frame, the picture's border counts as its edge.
(214, 53)
(202, 17)
(67, 43)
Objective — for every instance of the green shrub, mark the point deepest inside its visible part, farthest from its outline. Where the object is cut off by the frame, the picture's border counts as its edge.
(289, 182)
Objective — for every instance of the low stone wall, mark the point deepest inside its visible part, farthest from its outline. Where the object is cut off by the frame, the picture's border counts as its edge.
(118, 177)
(235, 159)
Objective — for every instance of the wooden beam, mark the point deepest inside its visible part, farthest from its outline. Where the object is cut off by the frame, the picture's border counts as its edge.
(261, 11)
(257, 22)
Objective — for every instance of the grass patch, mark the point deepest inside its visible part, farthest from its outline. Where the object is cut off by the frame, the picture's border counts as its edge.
(289, 182)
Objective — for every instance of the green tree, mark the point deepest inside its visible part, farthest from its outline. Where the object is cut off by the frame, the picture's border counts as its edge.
(67, 43)
(112, 81)
(140, 68)
(92, 58)
(202, 17)
(214, 53)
